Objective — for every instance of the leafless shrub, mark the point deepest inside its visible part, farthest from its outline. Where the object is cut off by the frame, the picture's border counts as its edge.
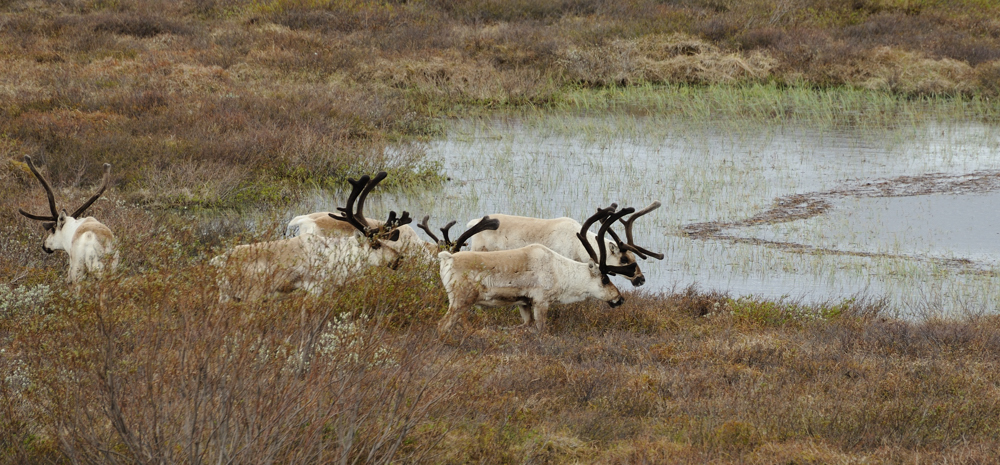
(136, 25)
(764, 37)
(138, 102)
(495, 10)
(988, 78)
(970, 50)
(718, 28)
(187, 380)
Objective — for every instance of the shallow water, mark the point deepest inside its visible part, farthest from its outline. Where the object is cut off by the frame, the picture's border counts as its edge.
(926, 254)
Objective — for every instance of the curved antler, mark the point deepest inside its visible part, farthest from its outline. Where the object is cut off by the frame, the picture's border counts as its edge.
(354, 215)
(641, 252)
(582, 235)
(104, 185)
(442, 243)
(390, 229)
(601, 213)
(485, 224)
(444, 233)
(48, 193)
(359, 213)
(618, 241)
(627, 270)
(347, 213)
(427, 229)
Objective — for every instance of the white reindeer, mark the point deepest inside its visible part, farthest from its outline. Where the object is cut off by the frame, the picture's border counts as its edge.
(324, 223)
(312, 261)
(560, 235)
(531, 277)
(89, 243)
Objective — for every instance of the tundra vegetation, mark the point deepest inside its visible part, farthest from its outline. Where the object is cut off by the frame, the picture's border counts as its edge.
(225, 107)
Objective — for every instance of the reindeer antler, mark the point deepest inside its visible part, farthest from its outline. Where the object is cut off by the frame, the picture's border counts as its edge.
(607, 216)
(628, 270)
(347, 213)
(601, 213)
(51, 197)
(355, 215)
(423, 225)
(48, 193)
(390, 229)
(444, 232)
(485, 224)
(427, 229)
(359, 214)
(582, 235)
(641, 252)
(89, 202)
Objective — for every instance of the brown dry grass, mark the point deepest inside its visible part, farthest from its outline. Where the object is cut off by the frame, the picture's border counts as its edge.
(147, 366)
(224, 103)
(285, 93)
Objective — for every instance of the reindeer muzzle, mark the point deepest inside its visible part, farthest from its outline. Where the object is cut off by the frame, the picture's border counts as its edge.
(638, 281)
(614, 303)
(47, 250)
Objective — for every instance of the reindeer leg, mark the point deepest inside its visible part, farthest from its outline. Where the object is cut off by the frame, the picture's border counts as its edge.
(93, 261)
(459, 302)
(526, 315)
(541, 310)
(75, 271)
(455, 312)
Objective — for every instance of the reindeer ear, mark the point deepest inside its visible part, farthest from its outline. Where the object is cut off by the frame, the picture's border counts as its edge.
(61, 220)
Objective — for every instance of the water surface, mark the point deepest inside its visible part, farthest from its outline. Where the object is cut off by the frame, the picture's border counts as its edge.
(927, 250)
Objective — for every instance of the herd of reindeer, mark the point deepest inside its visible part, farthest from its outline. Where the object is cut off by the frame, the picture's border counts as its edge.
(527, 262)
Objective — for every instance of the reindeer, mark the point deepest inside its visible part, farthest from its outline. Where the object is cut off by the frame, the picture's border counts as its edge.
(310, 261)
(559, 234)
(89, 243)
(531, 277)
(325, 224)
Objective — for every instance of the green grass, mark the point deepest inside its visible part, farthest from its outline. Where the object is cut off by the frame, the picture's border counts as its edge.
(771, 103)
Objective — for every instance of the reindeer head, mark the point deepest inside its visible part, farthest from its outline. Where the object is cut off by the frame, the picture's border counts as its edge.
(607, 216)
(382, 240)
(56, 221)
(625, 252)
(485, 224)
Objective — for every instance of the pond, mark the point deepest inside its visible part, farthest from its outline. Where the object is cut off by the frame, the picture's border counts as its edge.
(772, 211)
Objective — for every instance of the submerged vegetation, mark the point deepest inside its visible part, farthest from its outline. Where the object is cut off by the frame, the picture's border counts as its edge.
(236, 107)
